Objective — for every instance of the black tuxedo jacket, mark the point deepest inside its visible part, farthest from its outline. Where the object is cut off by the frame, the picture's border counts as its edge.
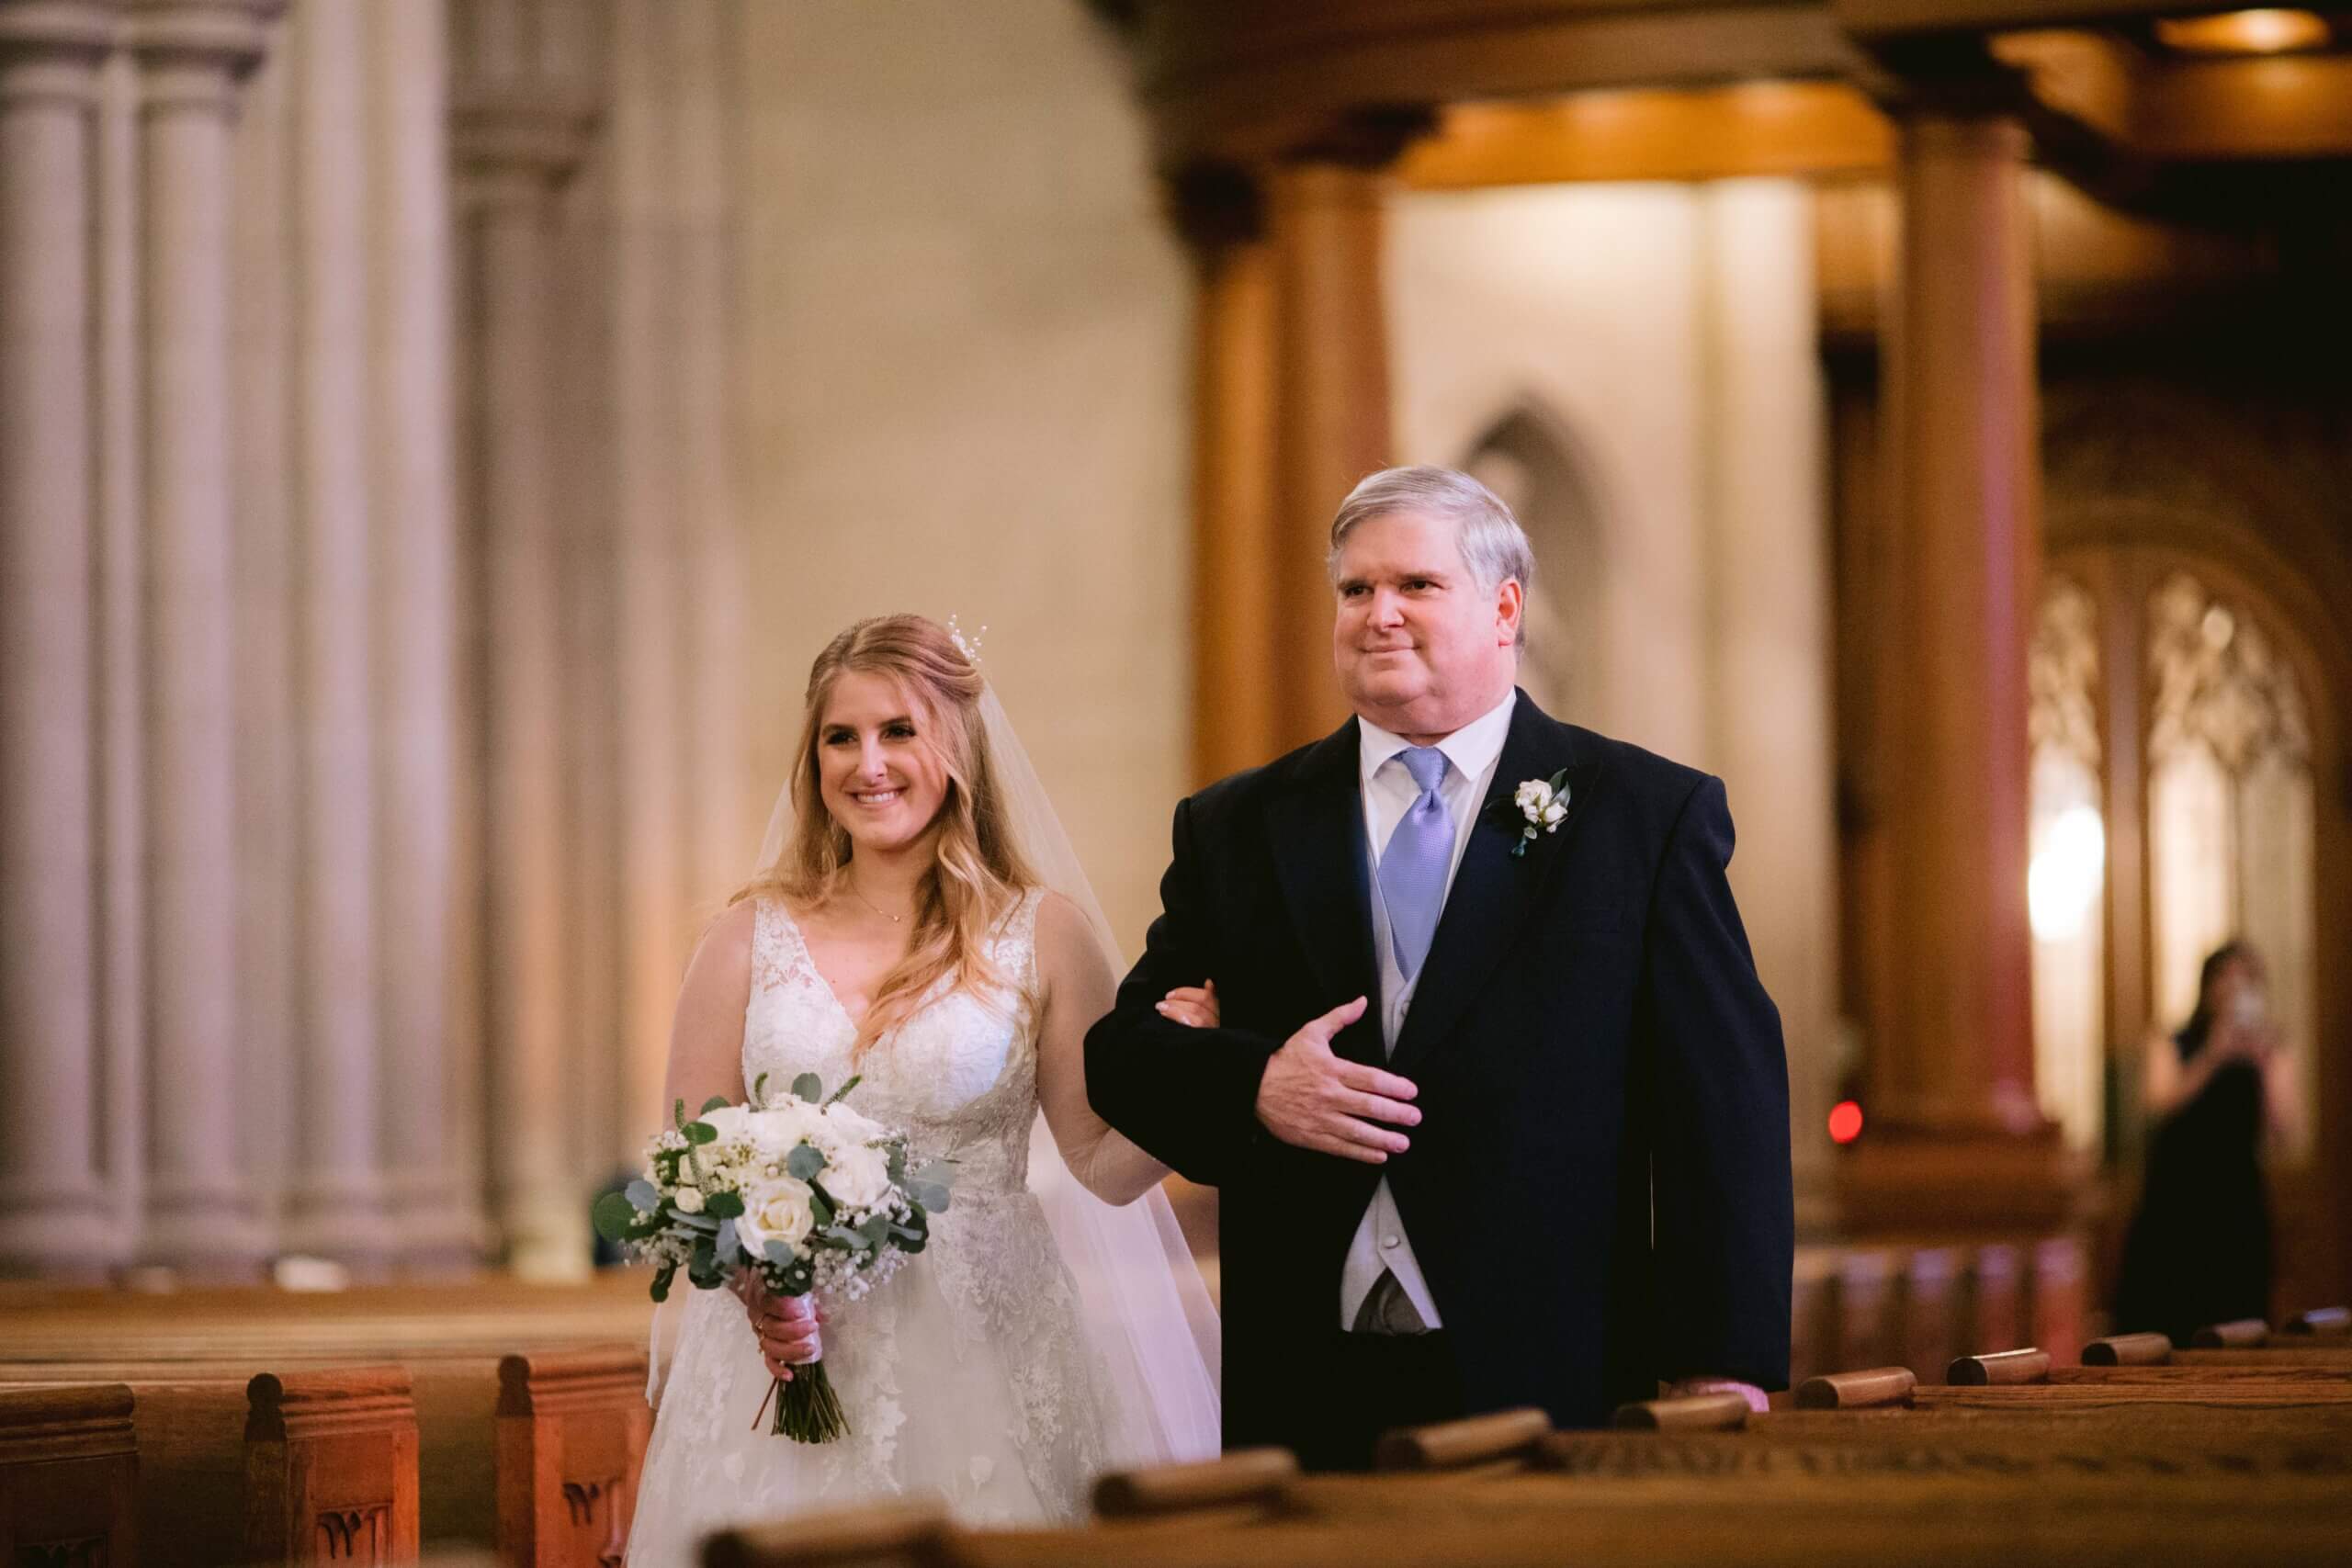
(1598, 1191)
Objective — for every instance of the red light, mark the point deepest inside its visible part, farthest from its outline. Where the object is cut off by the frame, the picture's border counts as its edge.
(1845, 1121)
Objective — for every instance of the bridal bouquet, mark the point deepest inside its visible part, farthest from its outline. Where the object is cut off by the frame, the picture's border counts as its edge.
(799, 1191)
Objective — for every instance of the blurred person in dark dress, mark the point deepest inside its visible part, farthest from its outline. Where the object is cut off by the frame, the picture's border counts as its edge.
(2198, 1250)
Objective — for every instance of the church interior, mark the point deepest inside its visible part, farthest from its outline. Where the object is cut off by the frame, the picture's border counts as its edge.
(435, 436)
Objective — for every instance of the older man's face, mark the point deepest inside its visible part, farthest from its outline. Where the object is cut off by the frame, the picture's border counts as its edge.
(1420, 647)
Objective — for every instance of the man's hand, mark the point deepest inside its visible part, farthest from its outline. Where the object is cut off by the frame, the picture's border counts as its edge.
(1319, 1100)
(787, 1328)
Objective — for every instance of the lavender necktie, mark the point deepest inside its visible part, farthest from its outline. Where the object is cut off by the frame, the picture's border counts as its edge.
(1415, 867)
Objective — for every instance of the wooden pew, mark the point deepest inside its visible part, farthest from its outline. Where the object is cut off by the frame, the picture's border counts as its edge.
(2031, 1367)
(69, 1473)
(1247, 1486)
(1670, 1532)
(279, 1467)
(572, 1432)
(2315, 1354)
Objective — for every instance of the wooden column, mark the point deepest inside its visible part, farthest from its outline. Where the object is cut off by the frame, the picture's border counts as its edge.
(1331, 424)
(1235, 709)
(1955, 1131)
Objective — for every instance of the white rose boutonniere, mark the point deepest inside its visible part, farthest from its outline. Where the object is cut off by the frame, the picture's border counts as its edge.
(1542, 806)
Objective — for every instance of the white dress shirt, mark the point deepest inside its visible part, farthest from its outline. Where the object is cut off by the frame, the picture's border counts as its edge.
(1472, 753)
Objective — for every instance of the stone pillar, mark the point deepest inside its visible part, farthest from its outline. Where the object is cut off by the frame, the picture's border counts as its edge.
(1331, 413)
(652, 527)
(1768, 553)
(1953, 1121)
(190, 54)
(339, 1204)
(415, 542)
(1236, 710)
(724, 822)
(513, 146)
(50, 1203)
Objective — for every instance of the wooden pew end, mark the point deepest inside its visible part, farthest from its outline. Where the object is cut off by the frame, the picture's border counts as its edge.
(867, 1538)
(1248, 1480)
(2127, 1350)
(2241, 1334)
(1457, 1445)
(1725, 1412)
(1879, 1387)
(1999, 1370)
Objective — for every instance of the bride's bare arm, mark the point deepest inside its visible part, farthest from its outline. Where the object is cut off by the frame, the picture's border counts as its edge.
(1080, 989)
(707, 1059)
(706, 1033)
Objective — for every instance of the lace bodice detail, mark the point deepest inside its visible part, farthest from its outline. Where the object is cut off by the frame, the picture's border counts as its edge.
(958, 1077)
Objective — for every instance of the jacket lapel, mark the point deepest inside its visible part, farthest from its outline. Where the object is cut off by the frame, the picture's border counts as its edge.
(1495, 895)
(1320, 859)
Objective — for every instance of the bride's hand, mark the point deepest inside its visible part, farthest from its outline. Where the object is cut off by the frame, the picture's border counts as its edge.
(788, 1327)
(1192, 1005)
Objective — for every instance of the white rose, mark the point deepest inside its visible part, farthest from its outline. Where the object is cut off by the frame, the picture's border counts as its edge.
(1533, 796)
(852, 1126)
(776, 1211)
(859, 1177)
(1555, 814)
(689, 1200)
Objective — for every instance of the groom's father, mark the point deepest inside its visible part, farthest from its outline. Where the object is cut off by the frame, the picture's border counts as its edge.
(1496, 1103)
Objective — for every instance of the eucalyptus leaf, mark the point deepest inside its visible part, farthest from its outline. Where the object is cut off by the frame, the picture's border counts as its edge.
(714, 1102)
(643, 1194)
(702, 1222)
(809, 1086)
(820, 1208)
(726, 1245)
(612, 1215)
(780, 1254)
(662, 1281)
(939, 1172)
(930, 1194)
(876, 1232)
(723, 1205)
(805, 1162)
(700, 1133)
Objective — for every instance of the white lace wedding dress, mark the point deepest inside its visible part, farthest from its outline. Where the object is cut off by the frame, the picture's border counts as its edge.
(967, 1377)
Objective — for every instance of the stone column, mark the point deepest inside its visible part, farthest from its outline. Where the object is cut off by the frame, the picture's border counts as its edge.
(652, 526)
(415, 543)
(513, 146)
(191, 54)
(1331, 411)
(49, 1202)
(725, 824)
(1768, 553)
(1237, 711)
(340, 1205)
(1950, 1095)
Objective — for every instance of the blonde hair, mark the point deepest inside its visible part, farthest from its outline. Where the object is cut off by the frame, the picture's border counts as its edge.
(977, 876)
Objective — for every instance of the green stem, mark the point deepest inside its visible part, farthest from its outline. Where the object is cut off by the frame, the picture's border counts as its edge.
(807, 1409)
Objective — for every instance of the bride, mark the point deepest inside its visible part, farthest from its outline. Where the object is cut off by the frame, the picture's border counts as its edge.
(920, 921)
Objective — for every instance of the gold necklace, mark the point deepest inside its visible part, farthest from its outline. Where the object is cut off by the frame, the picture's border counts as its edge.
(894, 919)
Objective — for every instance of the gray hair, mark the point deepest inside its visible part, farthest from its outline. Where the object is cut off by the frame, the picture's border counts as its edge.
(1493, 544)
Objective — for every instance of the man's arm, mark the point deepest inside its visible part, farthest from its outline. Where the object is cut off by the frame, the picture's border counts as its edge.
(1187, 1096)
(1722, 1216)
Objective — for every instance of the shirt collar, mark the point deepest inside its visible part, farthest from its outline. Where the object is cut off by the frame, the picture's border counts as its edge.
(1470, 749)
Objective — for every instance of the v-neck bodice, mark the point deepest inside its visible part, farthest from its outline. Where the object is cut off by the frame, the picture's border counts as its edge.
(960, 1075)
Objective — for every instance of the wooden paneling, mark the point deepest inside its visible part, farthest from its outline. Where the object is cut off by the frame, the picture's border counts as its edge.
(1755, 129)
